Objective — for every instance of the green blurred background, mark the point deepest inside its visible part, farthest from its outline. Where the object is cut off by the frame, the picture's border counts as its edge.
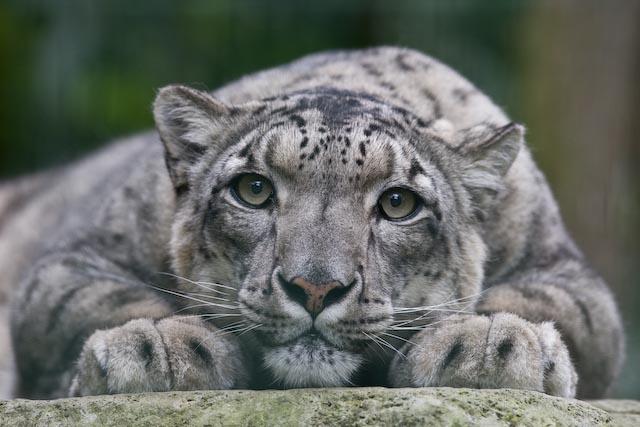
(75, 74)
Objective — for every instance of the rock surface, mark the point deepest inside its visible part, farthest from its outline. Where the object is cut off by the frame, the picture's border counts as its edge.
(311, 407)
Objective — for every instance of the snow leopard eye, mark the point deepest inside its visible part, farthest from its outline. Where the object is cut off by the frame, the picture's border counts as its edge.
(398, 204)
(252, 190)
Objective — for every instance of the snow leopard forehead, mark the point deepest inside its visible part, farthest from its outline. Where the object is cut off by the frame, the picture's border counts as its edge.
(335, 137)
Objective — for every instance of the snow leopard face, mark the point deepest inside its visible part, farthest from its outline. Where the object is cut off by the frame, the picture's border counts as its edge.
(317, 221)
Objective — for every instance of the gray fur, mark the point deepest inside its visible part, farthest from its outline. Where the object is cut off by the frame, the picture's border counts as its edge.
(483, 287)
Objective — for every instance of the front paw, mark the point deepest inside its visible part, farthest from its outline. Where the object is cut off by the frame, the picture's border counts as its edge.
(176, 353)
(501, 351)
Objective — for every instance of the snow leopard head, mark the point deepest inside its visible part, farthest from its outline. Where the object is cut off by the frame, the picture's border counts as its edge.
(321, 222)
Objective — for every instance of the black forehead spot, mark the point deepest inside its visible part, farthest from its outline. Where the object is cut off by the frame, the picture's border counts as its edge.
(259, 110)
(279, 110)
(372, 128)
(421, 123)
(352, 102)
(299, 121)
(337, 106)
(437, 110)
(387, 85)
(389, 125)
(245, 151)
(371, 69)
(415, 169)
(401, 62)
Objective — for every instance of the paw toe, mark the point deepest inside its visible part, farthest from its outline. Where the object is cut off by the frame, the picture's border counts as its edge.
(127, 359)
(200, 358)
(513, 355)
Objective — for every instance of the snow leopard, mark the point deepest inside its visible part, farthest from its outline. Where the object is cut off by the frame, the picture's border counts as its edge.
(352, 218)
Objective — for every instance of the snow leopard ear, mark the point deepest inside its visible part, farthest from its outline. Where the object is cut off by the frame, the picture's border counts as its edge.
(188, 122)
(488, 158)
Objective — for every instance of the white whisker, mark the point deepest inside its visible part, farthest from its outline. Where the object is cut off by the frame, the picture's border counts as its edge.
(211, 289)
(198, 283)
(197, 294)
(240, 329)
(410, 328)
(437, 308)
(219, 285)
(418, 309)
(250, 328)
(397, 337)
(194, 299)
(440, 305)
(219, 292)
(409, 321)
(374, 341)
(382, 341)
(212, 316)
(190, 307)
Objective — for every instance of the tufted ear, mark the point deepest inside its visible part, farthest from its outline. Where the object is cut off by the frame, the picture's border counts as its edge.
(488, 158)
(187, 121)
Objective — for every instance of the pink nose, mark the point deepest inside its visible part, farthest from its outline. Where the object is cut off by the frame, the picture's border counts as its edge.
(315, 296)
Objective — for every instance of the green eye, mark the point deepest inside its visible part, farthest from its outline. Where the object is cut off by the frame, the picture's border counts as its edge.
(398, 203)
(253, 190)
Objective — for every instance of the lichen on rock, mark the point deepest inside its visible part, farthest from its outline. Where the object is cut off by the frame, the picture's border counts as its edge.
(315, 407)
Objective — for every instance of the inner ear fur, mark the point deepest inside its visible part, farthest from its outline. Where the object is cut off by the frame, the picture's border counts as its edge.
(188, 121)
(487, 160)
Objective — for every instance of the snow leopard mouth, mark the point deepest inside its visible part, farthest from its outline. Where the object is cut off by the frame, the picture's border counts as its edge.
(311, 361)
(311, 336)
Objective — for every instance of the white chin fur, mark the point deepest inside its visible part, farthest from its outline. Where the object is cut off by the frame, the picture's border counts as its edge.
(310, 362)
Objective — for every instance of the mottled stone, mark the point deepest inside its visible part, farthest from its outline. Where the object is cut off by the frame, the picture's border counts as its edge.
(624, 412)
(319, 407)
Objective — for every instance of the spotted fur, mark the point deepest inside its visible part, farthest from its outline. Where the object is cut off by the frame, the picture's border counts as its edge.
(483, 287)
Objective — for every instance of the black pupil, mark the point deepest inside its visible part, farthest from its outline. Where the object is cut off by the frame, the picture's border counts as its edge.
(395, 200)
(257, 187)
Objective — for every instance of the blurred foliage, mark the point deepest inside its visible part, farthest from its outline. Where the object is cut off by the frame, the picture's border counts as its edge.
(77, 73)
